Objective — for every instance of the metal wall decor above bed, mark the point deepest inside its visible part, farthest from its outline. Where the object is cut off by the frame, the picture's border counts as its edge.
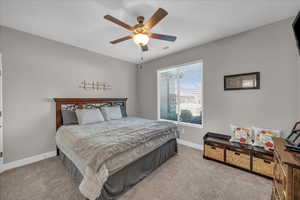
(65, 103)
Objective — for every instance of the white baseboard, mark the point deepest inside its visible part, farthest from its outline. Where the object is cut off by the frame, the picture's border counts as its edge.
(190, 144)
(26, 161)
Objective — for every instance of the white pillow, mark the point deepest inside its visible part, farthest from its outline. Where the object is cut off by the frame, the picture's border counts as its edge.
(240, 134)
(111, 112)
(89, 116)
(263, 137)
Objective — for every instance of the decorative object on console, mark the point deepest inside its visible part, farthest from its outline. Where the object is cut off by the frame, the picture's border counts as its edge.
(263, 137)
(294, 138)
(296, 126)
(95, 85)
(242, 81)
(240, 134)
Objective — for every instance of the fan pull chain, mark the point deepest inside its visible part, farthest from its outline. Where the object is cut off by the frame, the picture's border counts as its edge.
(140, 65)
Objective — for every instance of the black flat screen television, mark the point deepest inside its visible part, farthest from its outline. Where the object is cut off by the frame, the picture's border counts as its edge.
(296, 27)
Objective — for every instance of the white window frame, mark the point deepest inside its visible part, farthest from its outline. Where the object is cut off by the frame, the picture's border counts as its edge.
(162, 69)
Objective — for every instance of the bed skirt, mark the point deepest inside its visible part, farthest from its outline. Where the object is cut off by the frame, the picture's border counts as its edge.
(119, 182)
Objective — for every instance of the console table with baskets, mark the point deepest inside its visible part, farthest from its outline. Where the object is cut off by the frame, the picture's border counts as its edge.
(252, 159)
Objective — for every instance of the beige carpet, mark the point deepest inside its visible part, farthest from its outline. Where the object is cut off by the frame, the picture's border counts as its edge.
(184, 177)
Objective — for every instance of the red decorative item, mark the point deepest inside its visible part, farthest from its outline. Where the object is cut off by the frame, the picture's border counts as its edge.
(242, 140)
(269, 144)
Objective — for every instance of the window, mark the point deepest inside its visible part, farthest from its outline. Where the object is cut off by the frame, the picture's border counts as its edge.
(180, 94)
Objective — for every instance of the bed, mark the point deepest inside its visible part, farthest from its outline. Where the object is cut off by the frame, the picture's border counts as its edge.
(106, 159)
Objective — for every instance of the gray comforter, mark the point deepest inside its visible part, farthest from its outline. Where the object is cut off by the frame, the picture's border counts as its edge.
(100, 147)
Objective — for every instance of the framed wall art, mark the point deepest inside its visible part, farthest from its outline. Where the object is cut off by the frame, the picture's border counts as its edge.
(245, 81)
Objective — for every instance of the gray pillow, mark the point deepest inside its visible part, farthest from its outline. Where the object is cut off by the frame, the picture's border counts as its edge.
(123, 111)
(69, 117)
(89, 116)
(111, 112)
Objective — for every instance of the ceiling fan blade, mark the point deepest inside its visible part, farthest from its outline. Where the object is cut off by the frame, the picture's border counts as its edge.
(163, 37)
(145, 48)
(156, 17)
(116, 21)
(121, 39)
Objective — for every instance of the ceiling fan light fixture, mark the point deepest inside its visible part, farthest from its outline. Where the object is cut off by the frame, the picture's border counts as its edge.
(141, 39)
(140, 33)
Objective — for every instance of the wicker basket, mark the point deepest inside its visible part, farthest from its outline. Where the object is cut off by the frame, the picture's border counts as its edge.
(238, 159)
(262, 166)
(214, 152)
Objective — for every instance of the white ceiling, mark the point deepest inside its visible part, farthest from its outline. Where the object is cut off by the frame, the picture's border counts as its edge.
(80, 22)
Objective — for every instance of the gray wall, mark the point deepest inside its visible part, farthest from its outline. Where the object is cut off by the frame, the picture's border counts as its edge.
(270, 50)
(35, 71)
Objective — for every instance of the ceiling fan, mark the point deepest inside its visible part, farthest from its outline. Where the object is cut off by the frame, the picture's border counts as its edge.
(141, 31)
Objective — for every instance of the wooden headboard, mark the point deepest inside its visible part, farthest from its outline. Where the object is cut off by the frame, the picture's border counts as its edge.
(82, 101)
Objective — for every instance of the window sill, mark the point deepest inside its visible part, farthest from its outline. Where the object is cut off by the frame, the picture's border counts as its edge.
(184, 124)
